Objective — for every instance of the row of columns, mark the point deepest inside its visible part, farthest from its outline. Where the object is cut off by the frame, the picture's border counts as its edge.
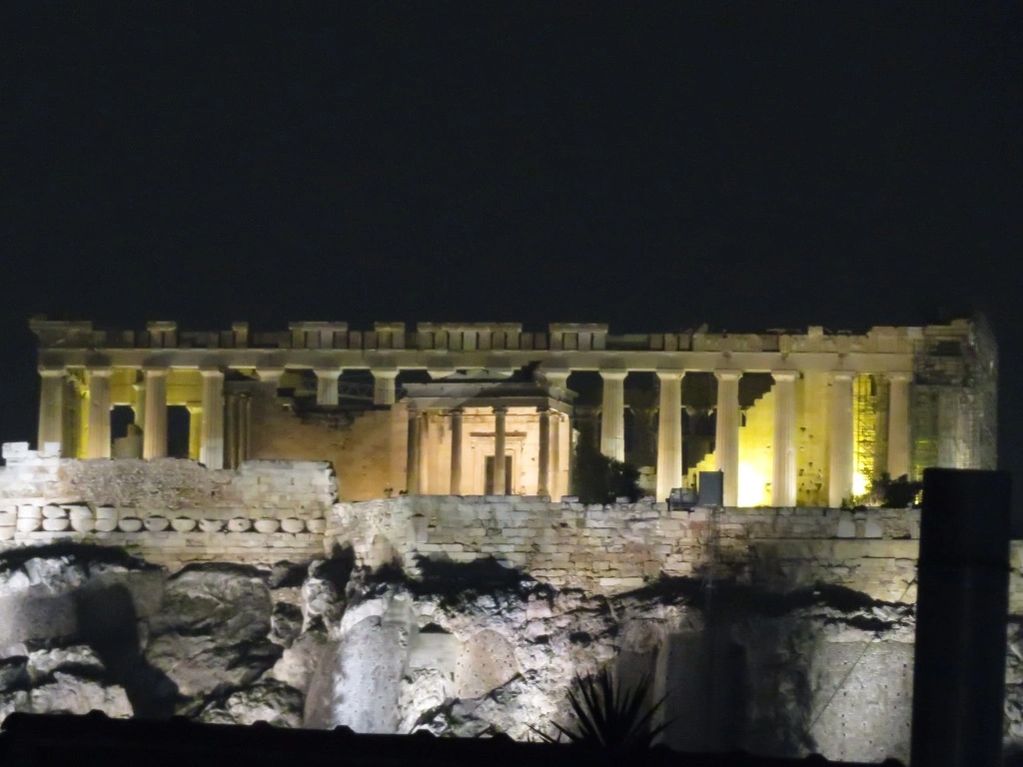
(545, 466)
(784, 471)
(154, 410)
(612, 438)
(150, 407)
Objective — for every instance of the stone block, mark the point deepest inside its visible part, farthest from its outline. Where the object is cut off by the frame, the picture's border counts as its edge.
(129, 524)
(183, 524)
(266, 526)
(29, 524)
(54, 512)
(211, 525)
(156, 524)
(106, 524)
(82, 523)
(292, 525)
(56, 524)
(239, 525)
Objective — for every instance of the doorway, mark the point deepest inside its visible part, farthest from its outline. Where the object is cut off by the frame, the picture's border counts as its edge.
(488, 488)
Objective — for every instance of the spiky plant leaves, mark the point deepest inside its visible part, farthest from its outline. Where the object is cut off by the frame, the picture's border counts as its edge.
(609, 715)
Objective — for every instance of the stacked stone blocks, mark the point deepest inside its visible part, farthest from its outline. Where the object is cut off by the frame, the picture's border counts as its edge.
(175, 511)
(618, 547)
(167, 510)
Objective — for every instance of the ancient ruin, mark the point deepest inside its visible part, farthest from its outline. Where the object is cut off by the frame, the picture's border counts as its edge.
(379, 528)
(791, 419)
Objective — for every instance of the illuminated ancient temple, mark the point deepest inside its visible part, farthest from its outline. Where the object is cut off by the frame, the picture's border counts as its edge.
(791, 418)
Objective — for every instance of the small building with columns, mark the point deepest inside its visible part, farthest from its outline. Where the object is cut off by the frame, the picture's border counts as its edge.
(807, 418)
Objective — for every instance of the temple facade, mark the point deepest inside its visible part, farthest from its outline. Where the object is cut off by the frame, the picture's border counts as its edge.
(791, 418)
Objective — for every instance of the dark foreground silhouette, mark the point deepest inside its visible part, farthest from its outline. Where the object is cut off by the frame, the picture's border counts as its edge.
(93, 740)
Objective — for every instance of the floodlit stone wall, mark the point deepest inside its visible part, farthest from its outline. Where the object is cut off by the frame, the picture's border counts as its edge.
(167, 510)
(174, 511)
(612, 549)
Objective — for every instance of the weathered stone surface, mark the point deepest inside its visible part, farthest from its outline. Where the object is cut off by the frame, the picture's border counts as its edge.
(65, 590)
(60, 680)
(299, 663)
(213, 631)
(285, 623)
(72, 694)
(78, 658)
(268, 700)
(466, 649)
(13, 672)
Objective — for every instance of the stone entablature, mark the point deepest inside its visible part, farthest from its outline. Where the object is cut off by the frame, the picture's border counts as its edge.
(322, 338)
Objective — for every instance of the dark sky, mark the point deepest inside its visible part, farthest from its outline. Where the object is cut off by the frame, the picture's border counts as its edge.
(749, 165)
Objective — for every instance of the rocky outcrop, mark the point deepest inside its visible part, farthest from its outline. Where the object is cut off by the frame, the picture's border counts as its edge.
(468, 650)
(212, 633)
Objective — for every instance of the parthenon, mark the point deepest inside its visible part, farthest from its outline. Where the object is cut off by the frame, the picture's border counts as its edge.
(809, 418)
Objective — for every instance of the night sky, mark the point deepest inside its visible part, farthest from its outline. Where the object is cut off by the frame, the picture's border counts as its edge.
(747, 165)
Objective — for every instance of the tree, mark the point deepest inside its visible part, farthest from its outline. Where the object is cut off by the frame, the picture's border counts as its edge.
(599, 479)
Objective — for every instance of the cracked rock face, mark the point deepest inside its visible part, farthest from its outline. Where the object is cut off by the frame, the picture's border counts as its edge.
(212, 633)
(468, 651)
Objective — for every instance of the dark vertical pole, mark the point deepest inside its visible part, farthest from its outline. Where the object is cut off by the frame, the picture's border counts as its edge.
(962, 607)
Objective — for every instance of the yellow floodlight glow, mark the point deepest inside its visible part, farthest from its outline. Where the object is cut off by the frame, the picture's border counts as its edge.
(861, 484)
(753, 481)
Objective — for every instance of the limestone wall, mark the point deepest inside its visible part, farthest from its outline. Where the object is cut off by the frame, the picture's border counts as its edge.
(616, 548)
(176, 511)
(168, 510)
(367, 448)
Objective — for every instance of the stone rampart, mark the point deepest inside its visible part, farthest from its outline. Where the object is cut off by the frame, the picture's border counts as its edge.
(620, 547)
(167, 510)
(176, 511)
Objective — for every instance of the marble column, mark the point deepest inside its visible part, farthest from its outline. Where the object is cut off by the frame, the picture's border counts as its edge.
(384, 386)
(51, 407)
(99, 413)
(154, 438)
(561, 464)
(557, 489)
(612, 414)
(543, 482)
(726, 435)
(840, 438)
(499, 449)
(211, 447)
(326, 386)
(456, 451)
(270, 378)
(570, 457)
(898, 424)
(413, 451)
(783, 480)
(231, 430)
(244, 401)
(669, 433)
(195, 419)
(557, 378)
(139, 408)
